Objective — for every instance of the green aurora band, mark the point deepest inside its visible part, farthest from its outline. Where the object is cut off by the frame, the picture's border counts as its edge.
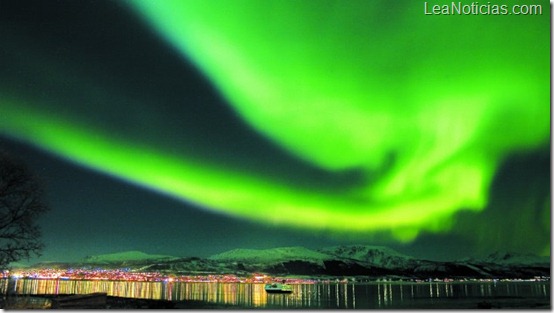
(427, 106)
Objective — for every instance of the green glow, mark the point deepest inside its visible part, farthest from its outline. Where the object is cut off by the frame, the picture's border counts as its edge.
(351, 90)
(342, 85)
(218, 188)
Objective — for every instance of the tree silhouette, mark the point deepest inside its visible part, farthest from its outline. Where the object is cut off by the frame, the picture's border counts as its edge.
(20, 206)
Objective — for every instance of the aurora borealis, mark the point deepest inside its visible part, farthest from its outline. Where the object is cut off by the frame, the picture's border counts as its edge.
(358, 121)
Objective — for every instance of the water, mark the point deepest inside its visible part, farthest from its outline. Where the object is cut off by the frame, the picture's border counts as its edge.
(379, 295)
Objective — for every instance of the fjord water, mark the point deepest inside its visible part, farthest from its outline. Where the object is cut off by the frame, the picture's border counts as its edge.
(377, 295)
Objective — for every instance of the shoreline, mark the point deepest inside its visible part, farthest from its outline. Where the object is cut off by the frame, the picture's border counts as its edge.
(25, 302)
(45, 301)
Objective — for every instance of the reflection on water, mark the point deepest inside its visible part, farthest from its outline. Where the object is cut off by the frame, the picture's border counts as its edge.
(322, 295)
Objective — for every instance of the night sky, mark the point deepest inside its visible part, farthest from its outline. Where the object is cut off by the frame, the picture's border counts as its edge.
(187, 129)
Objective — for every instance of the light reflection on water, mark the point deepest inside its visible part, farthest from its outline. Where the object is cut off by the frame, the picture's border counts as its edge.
(333, 295)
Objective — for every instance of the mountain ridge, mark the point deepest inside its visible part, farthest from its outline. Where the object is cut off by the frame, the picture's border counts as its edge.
(131, 255)
(369, 262)
(270, 255)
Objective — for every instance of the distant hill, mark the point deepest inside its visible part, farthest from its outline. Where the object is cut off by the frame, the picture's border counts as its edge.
(363, 262)
(370, 255)
(271, 255)
(508, 258)
(126, 256)
(377, 261)
(18, 265)
(289, 260)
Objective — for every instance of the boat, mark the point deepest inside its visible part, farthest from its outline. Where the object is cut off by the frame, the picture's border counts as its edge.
(278, 288)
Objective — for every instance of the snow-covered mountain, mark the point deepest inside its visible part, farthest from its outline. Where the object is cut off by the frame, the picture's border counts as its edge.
(376, 256)
(508, 258)
(274, 255)
(339, 260)
(377, 261)
(369, 262)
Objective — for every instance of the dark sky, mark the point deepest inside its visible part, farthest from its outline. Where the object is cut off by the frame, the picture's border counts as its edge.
(95, 214)
(97, 62)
